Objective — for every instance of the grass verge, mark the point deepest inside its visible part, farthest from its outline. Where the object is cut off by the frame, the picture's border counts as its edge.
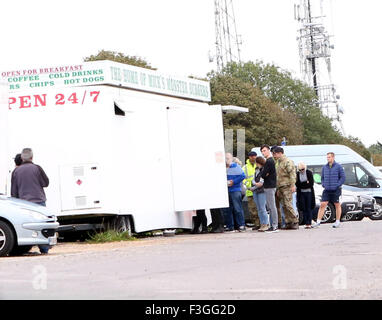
(110, 236)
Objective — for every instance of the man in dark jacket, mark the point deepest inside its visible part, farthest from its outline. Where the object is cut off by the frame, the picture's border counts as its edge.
(332, 179)
(28, 183)
(269, 176)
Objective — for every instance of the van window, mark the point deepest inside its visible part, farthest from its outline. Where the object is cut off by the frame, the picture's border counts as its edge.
(350, 174)
(316, 170)
(356, 175)
(362, 176)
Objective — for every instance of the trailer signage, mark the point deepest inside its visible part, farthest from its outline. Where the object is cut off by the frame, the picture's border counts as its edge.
(107, 72)
(33, 100)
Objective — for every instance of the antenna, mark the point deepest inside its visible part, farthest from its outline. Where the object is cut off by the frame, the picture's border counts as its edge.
(227, 40)
(315, 57)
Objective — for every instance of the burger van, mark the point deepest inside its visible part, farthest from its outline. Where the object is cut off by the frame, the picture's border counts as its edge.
(121, 145)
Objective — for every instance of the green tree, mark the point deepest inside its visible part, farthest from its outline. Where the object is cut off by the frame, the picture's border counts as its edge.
(376, 153)
(119, 57)
(376, 148)
(357, 145)
(290, 94)
(377, 159)
(265, 122)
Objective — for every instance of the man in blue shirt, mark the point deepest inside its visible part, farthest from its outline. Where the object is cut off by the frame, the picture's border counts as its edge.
(235, 175)
(332, 179)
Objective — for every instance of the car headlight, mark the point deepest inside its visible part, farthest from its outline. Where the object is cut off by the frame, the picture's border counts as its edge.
(36, 215)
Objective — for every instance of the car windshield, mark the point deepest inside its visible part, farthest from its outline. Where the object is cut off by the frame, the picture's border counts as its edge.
(373, 170)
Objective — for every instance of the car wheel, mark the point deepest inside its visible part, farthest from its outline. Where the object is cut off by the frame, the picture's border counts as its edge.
(20, 250)
(378, 215)
(329, 214)
(7, 239)
(348, 216)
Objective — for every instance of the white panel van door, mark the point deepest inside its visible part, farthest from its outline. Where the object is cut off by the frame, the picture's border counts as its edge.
(197, 157)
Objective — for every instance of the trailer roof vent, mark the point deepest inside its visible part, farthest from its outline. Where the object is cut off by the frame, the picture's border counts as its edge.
(118, 111)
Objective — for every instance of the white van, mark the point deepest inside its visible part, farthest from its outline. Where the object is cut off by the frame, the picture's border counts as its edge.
(361, 176)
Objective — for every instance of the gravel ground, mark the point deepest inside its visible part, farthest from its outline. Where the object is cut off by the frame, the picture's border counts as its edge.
(323, 263)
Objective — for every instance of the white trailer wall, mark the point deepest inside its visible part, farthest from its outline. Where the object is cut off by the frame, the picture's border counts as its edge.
(4, 162)
(158, 162)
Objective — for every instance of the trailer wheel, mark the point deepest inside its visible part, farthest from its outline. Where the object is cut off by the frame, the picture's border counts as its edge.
(378, 215)
(7, 239)
(122, 224)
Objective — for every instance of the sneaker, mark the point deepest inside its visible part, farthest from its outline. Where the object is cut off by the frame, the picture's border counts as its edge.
(316, 225)
(230, 231)
(272, 230)
(242, 229)
(293, 226)
(336, 224)
(256, 228)
(263, 228)
(308, 227)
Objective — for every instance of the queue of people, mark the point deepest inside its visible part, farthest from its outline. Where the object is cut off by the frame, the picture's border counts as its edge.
(266, 182)
(274, 189)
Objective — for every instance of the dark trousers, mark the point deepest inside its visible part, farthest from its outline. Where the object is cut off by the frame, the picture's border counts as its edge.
(200, 219)
(306, 206)
(217, 219)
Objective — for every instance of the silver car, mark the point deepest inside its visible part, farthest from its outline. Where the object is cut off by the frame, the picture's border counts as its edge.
(24, 224)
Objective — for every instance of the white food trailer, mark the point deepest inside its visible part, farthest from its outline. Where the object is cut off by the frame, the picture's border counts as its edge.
(118, 141)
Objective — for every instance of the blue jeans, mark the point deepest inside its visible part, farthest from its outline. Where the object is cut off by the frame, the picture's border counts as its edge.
(235, 211)
(44, 248)
(261, 202)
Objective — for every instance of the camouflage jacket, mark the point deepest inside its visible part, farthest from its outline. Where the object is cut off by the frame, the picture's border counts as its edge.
(286, 172)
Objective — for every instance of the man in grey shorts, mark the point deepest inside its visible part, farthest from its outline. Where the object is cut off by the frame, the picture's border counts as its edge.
(269, 176)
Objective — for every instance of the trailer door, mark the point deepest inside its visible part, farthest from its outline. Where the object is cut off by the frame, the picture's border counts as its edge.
(197, 157)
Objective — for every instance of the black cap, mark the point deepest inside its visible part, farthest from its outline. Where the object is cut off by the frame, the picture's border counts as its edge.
(277, 149)
(252, 153)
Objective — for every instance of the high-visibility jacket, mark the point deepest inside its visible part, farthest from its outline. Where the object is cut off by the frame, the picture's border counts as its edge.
(249, 171)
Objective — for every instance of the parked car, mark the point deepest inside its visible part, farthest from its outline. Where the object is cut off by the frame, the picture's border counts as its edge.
(24, 224)
(354, 206)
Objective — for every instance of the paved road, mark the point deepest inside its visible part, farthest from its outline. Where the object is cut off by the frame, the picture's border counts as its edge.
(324, 263)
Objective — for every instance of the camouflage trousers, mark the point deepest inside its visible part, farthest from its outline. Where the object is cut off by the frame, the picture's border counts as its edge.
(285, 198)
(253, 212)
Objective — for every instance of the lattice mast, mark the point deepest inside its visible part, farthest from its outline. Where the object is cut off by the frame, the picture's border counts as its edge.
(227, 40)
(315, 57)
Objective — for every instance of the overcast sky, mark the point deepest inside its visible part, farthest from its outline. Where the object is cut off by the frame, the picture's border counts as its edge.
(176, 36)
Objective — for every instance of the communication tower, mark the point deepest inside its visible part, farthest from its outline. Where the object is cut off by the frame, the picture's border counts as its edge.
(315, 57)
(227, 40)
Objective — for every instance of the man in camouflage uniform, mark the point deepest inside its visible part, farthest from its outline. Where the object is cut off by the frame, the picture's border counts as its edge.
(249, 171)
(286, 180)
